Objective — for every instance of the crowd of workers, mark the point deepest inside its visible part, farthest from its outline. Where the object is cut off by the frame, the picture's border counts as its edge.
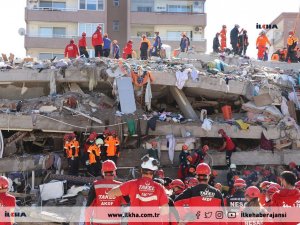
(239, 43)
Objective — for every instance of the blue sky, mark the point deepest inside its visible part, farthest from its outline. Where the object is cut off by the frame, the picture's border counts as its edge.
(246, 13)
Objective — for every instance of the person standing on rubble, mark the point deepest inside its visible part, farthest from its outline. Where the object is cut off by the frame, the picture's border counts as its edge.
(71, 50)
(223, 38)
(144, 47)
(6, 200)
(94, 158)
(97, 42)
(292, 43)
(112, 143)
(82, 46)
(74, 155)
(106, 46)
(184, 162)
(184, 43)
(228, 146)
(234, 34)
(89, 141)
(156, 45)
(153, 151)
(127, 50)
(98, 199)
(216, 43)
(243, 43)
(70, 152)
(261, 43)
(115, 49)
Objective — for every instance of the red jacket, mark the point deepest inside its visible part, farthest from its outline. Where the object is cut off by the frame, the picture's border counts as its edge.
(127, 50)
(230, 146)
(7, 200)
(71, 51)
(97, 38)
(82, 42)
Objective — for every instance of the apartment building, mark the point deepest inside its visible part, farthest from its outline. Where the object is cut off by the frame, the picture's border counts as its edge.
(51, 24)
(285, 22)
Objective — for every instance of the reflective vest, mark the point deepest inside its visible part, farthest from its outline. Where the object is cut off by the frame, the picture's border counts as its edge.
(94, 153)
(67, 148)
(112, 144)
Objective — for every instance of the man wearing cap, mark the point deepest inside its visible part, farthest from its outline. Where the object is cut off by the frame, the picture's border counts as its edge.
(7, 201)
(144, 191)
(153, 152)
(97, 42)
(98, 199)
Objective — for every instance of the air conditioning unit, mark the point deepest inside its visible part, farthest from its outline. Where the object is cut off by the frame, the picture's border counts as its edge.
(198, 29)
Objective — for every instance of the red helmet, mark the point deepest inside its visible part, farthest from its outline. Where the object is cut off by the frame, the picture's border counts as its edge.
(272, 190)
(275, 185)
(83, 34)
(291, 32)
(177, 183)
(3, 183)
(221, 131)
(218, 186)
(113, 132)
(191, 182)
(215, 173)
(203, 169)
(246, 172)
(205, 148)
(185, 147)
(235, 177)
(160, 173)
(66, 137)
(108, 166)
(292, 165)
(72, 136)
(264, 185)
(252, 192)
(72, 41)
(130, 41)
(266, 172)
(239, 183)
(93, 136)
(99, 27)
(106, 132)
(258, 168)
(297, 185)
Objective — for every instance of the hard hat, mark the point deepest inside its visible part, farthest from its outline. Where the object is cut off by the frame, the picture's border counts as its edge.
(218, 186)
(191, 182)
(149, 163)
(203, 169)
(106, 132)
(239, 183)
(108, 165)
(113, 132)
(130, 41)
(99, 141)
(292, 165)
(93, 136)
(232, 166)
(265, 184)
(66, 137)
(72, 136)
(258, 168)
(185, 147)
(263, 32)
(272, 190)
(275, 185)
(235, 177)
(99, 27)
(246, 172)
(177, 183)
(83, 34)
(215, 173)
(291, 32)
(72, 41)
(3, 183)
(160, 173)
(252, 192)
(205, 148)
(297, 185)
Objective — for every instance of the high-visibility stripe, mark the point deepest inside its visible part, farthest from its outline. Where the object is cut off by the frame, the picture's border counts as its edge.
(146, 199)
(106, 185)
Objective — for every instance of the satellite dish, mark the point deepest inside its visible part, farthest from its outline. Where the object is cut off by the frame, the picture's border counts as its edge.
(21, 31)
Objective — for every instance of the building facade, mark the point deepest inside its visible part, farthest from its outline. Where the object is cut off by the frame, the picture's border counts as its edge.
(51, 24)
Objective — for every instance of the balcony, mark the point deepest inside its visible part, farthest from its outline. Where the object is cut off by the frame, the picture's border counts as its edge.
(64, 15)
(163, 18)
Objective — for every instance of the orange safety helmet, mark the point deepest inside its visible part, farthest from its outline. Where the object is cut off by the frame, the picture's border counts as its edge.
(177, 183)
(239, 183)
(264, 185)
(297, 185)
(185, 147)
(83, 34)
(205, 148)
(203, 169)
(218, 186)
(235, 177)
(252, 192)
(3, 183)
(108, 166)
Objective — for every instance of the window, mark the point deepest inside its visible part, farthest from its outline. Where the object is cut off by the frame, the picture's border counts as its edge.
(59, 31)
(116, 25)
(45, 56)
(53, 5)
(116, 3)
(45, 31)
(179, 8)
(176, 35)
(91, 4)
(89, 28)
(52, 31)
(144, 9)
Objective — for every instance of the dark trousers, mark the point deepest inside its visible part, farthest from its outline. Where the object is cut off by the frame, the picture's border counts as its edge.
(106, 52)
(98, 51)
(234, 48)
(73, 166)
(129, 56)
(94, 169)
(113, 158)
(228, 157)
(83, 51)
(144, 54)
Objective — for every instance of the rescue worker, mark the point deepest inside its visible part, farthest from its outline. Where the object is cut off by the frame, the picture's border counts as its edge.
(156, 45)
(160, 174)
(293, 168)
(200, 155)
(201, 195)
(228, 146)
(98, 198)
(7, 201)
(231, 174)
(153, 152)
(184, 43)
(237, 199)
(144, 47)
(89, 141)
(67, 150)
(234, 34)
(216, 43)
(127, 50)
(219, 187)
(292, 42)
(191, 182)
(113, 146)
(97, 42)
(243, 43)
(184, 162)
(94, 157)
(71, 50)
(178, 187)
(82, 45)
(115, 49)
(261, 43)
(144, 191)
(106, 45)
(263, 187)
(269, 195)
(212, 178)
(223, 38)
(74, 155)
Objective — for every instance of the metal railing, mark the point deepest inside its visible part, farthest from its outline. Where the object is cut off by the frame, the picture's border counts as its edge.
(167, 12)
(53, 9)
(52, 36)
(169, 38)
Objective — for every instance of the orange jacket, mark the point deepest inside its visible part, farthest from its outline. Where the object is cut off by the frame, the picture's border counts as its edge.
(223, 34)
(67, 147)
(135, 76)
(112, 145)
(291, 40)
(262, 40)
(97, 38)
(94, 152)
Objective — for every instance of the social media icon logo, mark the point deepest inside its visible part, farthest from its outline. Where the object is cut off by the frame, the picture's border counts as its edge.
(219, 215)
(208, 215)
(198, 214)
(231, 215)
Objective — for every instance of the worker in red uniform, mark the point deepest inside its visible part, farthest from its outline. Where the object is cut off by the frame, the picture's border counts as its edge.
(73, 155)
(191, 182)
(178, 187)
(263, 187)
(261, 43)
(201, 195)
(223, 38)
(98, 198)
(200, 155)
(112, 143)
(144, 191)
(6, 201)
(71, 50)
(228, 146)
(237, 199)
(97, 42)
(82, 45)
(269, 195)
(94, 157)
(127, 50)
(297, 185)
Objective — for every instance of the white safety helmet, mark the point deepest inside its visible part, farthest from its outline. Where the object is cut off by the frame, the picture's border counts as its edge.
(99, 141)
(232, 166)
(149, 163)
